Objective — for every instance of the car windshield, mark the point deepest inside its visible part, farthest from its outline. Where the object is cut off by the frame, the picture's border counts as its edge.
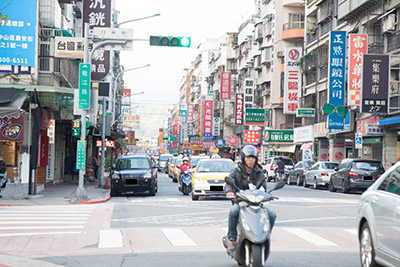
(308, 164)
(367, 165)
(215, 166)
(195, 161)
(329, 165)
(286, 161)
(165, 157)
(133, 163)
(178, 163)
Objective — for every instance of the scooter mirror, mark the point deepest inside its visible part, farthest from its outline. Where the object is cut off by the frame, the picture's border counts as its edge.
(279, 185)
(229, 180)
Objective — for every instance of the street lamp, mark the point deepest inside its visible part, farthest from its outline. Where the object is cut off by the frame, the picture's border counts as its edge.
(132, 20)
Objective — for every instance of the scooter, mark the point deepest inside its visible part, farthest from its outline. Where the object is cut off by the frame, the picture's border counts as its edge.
(186, 182)
(254, 229)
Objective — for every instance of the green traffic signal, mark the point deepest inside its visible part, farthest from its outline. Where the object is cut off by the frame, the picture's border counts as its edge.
(170, 41)
(76, 128)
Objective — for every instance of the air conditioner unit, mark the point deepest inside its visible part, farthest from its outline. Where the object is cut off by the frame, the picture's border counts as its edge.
(389, 23)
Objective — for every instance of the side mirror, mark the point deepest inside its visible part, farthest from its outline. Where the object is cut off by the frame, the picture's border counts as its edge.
(336, 168)
(278, 186)
(229, 180)
(191, 170)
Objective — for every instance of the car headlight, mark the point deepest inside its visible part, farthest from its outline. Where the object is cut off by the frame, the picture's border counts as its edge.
(115, 176)
(245, 225)
(147, 175)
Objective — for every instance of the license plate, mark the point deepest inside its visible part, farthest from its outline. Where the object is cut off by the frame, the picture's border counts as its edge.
(216, 188)
(131, 181)
(367, 178)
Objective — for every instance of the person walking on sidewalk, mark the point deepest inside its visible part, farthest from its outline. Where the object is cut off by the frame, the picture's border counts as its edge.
(96, 164)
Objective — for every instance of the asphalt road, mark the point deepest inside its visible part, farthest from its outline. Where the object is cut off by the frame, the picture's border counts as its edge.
(313, 228)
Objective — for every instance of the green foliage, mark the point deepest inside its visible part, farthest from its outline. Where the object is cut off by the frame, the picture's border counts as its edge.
(123, 143)
(107, 162)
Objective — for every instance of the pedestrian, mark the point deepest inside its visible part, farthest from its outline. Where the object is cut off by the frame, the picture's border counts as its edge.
(96, 164)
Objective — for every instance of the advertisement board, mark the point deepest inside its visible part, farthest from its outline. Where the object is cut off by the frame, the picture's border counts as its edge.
(358, 46)
(292, 81)
(225, 92)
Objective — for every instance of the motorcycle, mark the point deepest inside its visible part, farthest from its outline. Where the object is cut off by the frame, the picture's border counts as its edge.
(186, 182)
(254, 230)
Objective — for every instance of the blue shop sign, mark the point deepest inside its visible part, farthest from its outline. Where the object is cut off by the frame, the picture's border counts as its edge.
(220, 143)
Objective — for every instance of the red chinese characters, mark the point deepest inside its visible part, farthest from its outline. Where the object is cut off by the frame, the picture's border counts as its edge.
(292, 80)
(190, 113)
(225, 92)
(357, 47)
(239, 109)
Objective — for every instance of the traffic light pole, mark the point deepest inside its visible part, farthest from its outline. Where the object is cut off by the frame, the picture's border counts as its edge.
(103, 139)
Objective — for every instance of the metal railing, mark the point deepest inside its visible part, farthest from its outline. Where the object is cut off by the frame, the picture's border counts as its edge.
(326, 26)
(394, 41)
(313, 37)
(376, 48)
(293, 25)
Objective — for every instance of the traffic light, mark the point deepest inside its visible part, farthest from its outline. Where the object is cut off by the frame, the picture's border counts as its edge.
(170, 41)
(76, 128)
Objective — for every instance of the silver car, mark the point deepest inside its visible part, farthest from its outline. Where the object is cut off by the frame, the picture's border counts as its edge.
(379, 221)
(320, 174)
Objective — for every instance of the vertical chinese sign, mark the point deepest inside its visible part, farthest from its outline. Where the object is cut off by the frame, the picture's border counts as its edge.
(292, 80)
(358, 46)
(225, 85)
(190, 113)
(169, 132)
(239, 109)
(207, 120)
(336, 72)
(375, 84)
(126, 101)
(248, 93)
(98, 14)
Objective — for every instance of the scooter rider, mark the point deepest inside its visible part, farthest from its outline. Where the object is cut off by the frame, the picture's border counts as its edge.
(248, 172)
(281, 166)
(184, 166)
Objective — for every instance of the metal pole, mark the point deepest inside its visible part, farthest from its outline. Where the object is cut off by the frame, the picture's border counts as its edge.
(32, 185)
(103, 139)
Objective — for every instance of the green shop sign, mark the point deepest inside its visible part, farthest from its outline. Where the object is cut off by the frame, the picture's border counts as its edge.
(278, 136)
(254, 116)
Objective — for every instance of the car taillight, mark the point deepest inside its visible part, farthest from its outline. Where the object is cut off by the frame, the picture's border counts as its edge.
(379, 175)
(272, 167)
(324, 174)
(304, 170)
(353, 174)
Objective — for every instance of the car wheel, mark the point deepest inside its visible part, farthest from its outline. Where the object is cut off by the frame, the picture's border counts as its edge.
(367, 250)
(345, 190)
(156, 186)
(288, 180)
(194, 197)
(298, 182)
(305, 183)
(331, 187)
(316, 186)
(113, 193)
(152, 191)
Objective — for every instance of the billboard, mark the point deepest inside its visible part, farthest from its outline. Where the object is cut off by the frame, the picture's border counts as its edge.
(248, 93)
(207, 120)
(336, 76)
(251, 137)
(225, 85)
(254, 116)
(292, 81)
(358, 46)
(18, 35)
(375, 84)
(239, 108)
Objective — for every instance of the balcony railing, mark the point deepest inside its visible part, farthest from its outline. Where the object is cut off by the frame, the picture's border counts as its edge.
(311, 76)
(375, 48)
(323, 72)
(326, 26)
(393, 41)
(313, 37)
(293, 25)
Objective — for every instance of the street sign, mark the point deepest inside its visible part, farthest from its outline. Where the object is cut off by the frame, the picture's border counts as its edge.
(112, 33)
(305, 113)
(358, 140)
(220, 143)
(81, 155)
(84, 86)
(69, 47)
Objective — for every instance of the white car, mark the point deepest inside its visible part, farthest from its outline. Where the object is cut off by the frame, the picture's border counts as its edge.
(270, 165)
(379, 221)
(320, 174)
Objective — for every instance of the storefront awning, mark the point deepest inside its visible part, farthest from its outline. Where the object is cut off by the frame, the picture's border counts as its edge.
(284, 148)
(11, 100)
(389, 121)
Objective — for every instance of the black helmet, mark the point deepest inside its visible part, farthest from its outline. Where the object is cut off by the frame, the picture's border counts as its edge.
(249, 151)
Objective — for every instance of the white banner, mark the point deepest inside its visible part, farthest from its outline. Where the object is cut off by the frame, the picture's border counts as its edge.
(292, 84)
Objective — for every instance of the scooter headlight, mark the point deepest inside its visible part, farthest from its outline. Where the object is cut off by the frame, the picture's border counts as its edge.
(251, 198)
(245, 225)
(259, 199)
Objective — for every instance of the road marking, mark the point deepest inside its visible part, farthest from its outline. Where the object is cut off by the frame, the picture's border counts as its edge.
(110, 239)
(315, 219)
(164, 216)
(171, 199)
(310, 237)
(177, 237)
(39, 227)
(40, 215)
(46, 222)
(45, 211)
(42, 218)
(38, 233)
(351, 231)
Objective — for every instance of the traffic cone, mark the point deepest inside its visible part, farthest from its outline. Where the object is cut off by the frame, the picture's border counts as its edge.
(107, 185)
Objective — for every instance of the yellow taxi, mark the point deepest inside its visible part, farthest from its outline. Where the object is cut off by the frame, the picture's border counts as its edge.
(209, 177)
(176, 170)
(171, 167)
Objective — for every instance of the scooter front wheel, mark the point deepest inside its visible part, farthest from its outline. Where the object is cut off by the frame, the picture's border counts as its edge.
(256, 259)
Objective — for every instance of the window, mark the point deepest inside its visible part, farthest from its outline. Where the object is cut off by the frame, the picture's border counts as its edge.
(391, 184)
(133, 163)
(269, 161)
(215, 166)
(367, 165)
(329, 165)
(299, 165)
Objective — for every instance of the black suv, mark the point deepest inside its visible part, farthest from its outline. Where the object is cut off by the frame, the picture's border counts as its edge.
(134, 174)
(355, 174)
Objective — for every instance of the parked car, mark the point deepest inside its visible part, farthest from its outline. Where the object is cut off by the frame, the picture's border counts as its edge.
(133, 174)
(355, 174)
(171, 167)
(320, 174)
(296, 175)
(176, 171)
(195, 160)
(209, 177)
(162, 161)
(379, 221)
(270, 166)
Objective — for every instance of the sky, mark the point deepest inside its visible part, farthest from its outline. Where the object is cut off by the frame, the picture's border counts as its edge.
(199, 20)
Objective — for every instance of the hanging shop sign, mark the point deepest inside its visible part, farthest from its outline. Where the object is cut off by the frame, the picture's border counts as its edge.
(251, 137)
(320, 130)
(305, 113)
(375, 84)
(369, 127)
(216, 126)
(69, 47)
(43, 159)
(292, 81)
(336, 76)
(303, 134)
(233, 141)
(51, 131)
(358, 46)
(220, 142)
(12, 129)
(278, 136)
(248, 93)
(254, 116)
(190, 111)
(225, 92)
(207, 120)
(239, 109)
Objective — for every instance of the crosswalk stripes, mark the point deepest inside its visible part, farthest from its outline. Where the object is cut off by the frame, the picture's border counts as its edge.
(43, 220)
(310, 237)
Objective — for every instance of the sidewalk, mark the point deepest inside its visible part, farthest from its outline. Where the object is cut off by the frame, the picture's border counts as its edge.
(61, 194)
(13, 261)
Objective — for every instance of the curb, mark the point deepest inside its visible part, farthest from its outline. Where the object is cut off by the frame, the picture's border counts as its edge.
(106, 198)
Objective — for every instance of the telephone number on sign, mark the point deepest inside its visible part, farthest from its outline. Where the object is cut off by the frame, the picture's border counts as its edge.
(14, 60)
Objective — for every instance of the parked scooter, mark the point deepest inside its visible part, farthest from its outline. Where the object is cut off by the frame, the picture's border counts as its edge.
(186, 182)
(254, 229)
